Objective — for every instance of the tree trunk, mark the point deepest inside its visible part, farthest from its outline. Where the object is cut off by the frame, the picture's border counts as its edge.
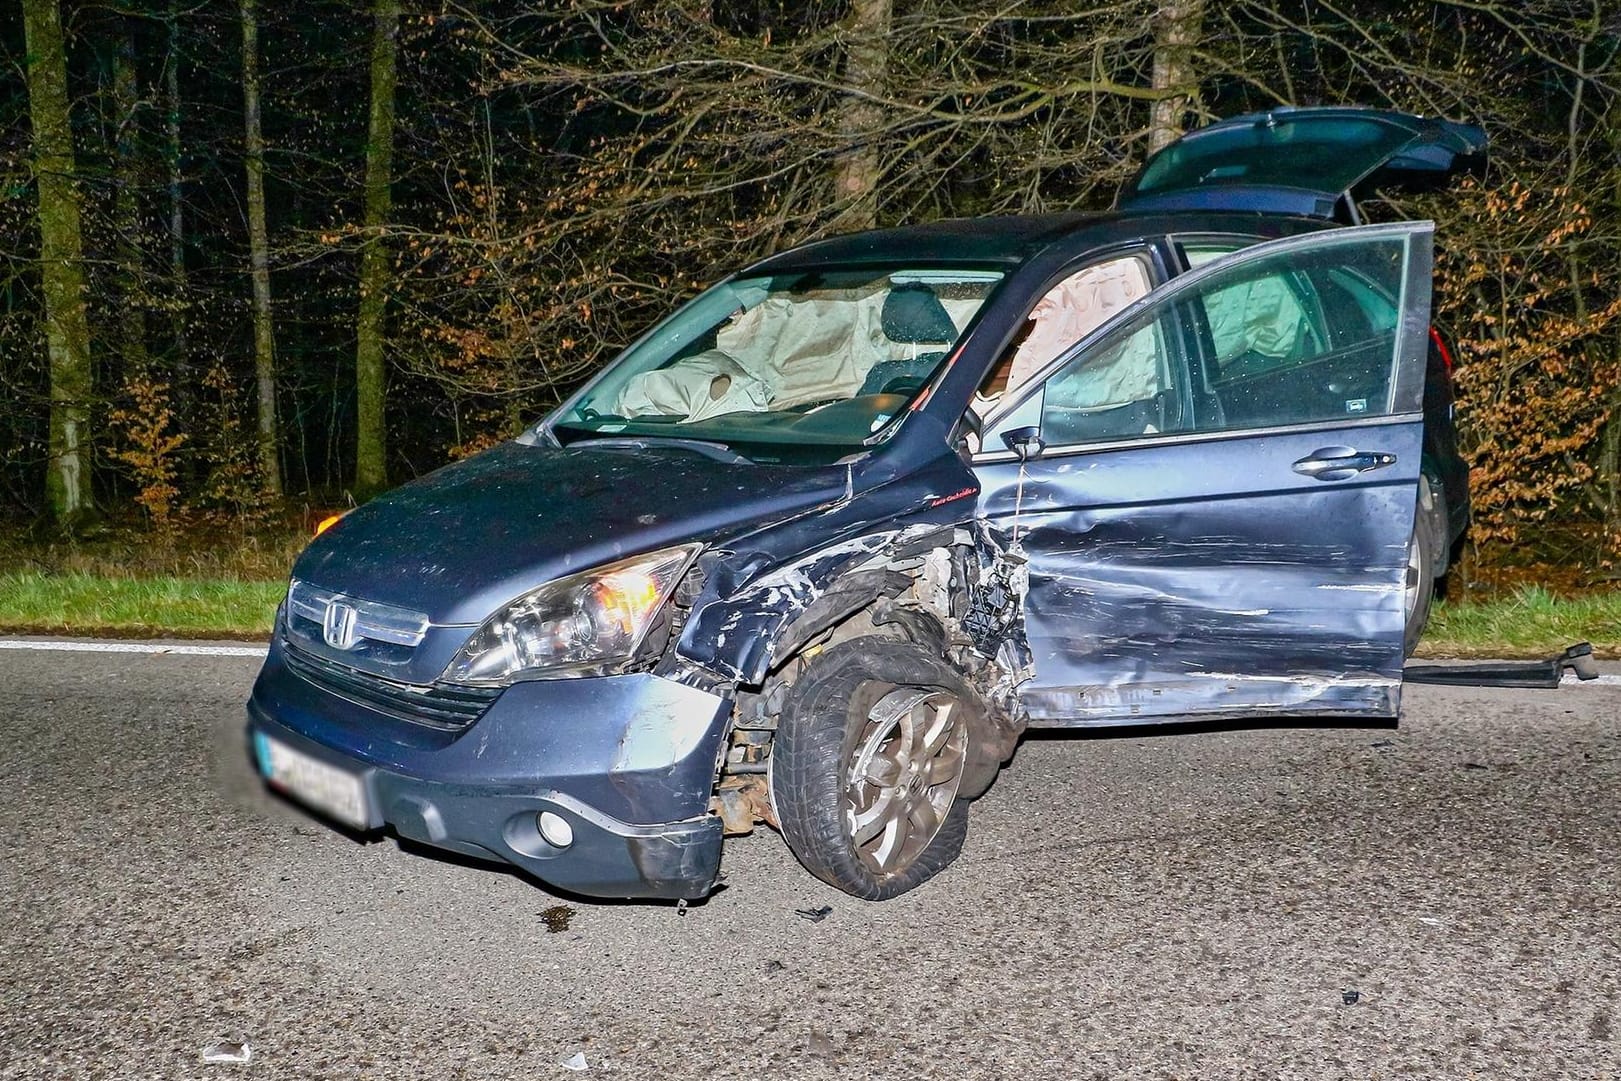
(181, 366)
(371, 438)
(67, 327)
(127, 210)
(264, 343)
(1609, 459)
(1178, 25)
(857, 170)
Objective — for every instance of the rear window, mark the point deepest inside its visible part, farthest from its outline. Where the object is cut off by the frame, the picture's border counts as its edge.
(1319, 154)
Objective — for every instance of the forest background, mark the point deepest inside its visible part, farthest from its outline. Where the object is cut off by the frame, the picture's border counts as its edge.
(259, 261)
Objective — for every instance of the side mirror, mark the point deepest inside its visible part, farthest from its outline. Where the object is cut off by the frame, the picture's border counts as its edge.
(1025, 442)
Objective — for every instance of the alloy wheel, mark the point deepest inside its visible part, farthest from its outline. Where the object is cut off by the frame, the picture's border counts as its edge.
(904, 777)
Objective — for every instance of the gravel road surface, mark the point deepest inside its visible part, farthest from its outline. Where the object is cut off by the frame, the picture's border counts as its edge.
(1201, 905)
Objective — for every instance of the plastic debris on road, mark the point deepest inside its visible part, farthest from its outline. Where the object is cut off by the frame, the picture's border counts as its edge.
(226, 1051)
(815, 915)
(1350, 996)
(576, 1062)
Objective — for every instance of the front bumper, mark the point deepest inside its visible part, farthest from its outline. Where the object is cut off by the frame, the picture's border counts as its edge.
(628, 761)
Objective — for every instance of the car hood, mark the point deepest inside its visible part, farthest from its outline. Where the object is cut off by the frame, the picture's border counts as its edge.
(459, 543)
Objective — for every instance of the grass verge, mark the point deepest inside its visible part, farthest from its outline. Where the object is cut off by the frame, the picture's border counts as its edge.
(77, 603)
(1528, 622)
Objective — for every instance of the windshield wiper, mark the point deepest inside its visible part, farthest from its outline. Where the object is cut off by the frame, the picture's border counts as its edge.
(720, 452)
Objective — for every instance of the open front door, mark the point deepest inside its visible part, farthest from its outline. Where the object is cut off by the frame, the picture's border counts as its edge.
(1220, 485)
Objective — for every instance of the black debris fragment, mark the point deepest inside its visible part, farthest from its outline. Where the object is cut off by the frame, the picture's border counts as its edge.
(1545, 674)
(1351, 996)
(815, 915)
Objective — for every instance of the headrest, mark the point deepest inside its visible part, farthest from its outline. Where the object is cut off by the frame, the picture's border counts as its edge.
(913, 314)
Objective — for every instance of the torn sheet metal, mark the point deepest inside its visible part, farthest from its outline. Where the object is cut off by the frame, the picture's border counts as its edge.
(760, 583)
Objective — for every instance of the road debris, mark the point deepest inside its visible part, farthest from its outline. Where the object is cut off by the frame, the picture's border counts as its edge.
(557, 918)
(773, 966)
(815, 915)
(575, 1062)
(1351, 996)
(1545, 674)
(227, 1051)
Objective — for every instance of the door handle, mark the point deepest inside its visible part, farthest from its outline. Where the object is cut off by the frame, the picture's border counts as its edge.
(1341, 463)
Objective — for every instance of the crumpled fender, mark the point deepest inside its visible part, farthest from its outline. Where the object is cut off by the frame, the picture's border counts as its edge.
(757, 587)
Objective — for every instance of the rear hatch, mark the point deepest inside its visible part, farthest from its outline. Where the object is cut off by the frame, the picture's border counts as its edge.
(1313, 161)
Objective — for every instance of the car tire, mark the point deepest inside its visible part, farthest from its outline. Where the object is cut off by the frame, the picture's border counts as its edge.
(872, 746)
(1423, 557)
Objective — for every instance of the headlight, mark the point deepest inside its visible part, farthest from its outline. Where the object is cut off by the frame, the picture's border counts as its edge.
(575, 625)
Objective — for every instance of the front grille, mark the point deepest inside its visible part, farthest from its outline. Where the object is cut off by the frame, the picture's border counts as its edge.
(372, 619)
(449, 709)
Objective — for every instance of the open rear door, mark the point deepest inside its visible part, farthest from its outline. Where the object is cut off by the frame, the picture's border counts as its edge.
(1217, 490)
(1309, 161)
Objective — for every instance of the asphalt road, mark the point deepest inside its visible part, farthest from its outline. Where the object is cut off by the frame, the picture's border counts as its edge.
(1195, 906)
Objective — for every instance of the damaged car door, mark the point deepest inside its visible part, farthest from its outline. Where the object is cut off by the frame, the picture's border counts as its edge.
(1214, 491)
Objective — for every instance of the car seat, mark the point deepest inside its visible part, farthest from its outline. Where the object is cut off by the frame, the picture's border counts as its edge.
(912, 315)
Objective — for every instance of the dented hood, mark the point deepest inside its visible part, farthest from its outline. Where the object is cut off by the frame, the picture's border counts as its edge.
(460, 542)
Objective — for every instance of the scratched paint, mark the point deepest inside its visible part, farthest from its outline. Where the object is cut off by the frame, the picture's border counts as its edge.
(1157, 566)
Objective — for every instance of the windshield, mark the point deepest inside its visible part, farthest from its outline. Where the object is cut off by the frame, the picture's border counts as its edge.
(816, 359)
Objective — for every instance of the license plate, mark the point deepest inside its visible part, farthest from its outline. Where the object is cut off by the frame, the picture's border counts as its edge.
(307, 779)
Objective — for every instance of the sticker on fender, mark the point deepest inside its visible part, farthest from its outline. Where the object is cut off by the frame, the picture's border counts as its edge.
(337, 792)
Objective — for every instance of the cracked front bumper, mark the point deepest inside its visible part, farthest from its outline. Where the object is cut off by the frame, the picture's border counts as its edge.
(628, 762)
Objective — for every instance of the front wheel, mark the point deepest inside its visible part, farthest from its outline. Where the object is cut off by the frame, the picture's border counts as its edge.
(872, 748)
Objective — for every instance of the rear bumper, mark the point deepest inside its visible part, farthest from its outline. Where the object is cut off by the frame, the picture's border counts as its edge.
(629, 762)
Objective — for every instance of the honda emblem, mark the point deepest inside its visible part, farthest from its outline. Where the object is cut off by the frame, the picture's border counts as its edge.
(338, 625)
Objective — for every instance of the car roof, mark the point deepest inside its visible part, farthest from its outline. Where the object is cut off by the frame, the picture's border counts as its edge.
(1010, 241)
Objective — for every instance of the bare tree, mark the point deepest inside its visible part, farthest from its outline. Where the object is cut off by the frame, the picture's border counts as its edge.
(67, 328)
(181, 367)
(858, 167)
(370, 376)
(264, 342)
(126, 207)
(1177, 27)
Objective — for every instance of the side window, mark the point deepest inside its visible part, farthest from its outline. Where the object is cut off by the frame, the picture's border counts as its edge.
(1124, 388)
(1296, 337)
(1299, 339)
(1102, 394)
(1262, 325)
(1068, 312)
(1199, 252)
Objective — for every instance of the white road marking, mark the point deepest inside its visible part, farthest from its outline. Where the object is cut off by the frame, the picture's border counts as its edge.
(188, 650)
(1604, 680)
(133, 647)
